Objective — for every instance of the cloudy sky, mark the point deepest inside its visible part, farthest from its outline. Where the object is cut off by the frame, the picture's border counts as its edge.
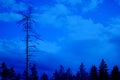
(72, 31)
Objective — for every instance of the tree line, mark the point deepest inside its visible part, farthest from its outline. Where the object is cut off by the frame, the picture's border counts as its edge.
(101, 73)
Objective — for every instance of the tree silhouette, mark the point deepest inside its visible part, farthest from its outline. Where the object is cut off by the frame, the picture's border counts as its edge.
(4, 71)
(93, 73)
(24, 75)
(18, 77)
(69, 75)
(3, 65)
(44, 77)
(27, 22)
(59, 74)
(33, 75)
(115, 73)
(81, 74)
(12, 74)
(62, 74)
(55, 75)
(61, 70)
(103, 71)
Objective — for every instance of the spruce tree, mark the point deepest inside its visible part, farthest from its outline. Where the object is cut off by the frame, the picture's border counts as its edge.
(93, 73)
(115, 73)
(44, 77)
(103, 71)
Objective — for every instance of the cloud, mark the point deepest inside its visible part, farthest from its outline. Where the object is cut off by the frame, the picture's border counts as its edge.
(84, 28)
(8, 9)
(83, 39)
(73, 24)
(114, 29)
(49, 47)
(72, 2)
(6, 3)
(13, 45)
(84, 5)
(114, 26)
(12, 5)
(10, 17)
(54, 15)
(13, 51)
(92, 5)
(59, 9)
(57, 14)
(86, 40)
(81, 36)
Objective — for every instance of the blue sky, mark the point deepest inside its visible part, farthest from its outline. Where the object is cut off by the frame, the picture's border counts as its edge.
(73, 31)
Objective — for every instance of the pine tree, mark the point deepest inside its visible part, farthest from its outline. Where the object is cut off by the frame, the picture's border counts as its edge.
(115, 73)
(3, 65)
(44, 77)
(103, 71)
(61, 73)
(4, 71)
(18, 77)
(93, 73)
(81, 74)
(55, 75)
(33, 75)
(69, 75)
(12, 74)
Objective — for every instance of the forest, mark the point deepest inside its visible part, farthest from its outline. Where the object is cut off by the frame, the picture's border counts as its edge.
(95, 73)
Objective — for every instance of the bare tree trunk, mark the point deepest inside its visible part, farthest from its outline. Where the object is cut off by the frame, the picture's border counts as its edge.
(27, 21)
(27, 51)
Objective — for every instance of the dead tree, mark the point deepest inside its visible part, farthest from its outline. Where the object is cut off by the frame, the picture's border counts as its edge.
(27, 22)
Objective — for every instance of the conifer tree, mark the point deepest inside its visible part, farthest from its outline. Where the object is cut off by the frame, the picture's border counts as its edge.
(55, 75)
(103, 71)
(115, 73)
(68, 74)
(81, 74)
(44, 77)
(12, 74)
(93, 73)
(34, 75)
(4, 71)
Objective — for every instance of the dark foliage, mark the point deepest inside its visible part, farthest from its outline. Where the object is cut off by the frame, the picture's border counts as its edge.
(62, 74)
(103, 71)
(44, 77)
(7, 73)
(93, 73)
(115, 73)
(33, 75)
(81, 74)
